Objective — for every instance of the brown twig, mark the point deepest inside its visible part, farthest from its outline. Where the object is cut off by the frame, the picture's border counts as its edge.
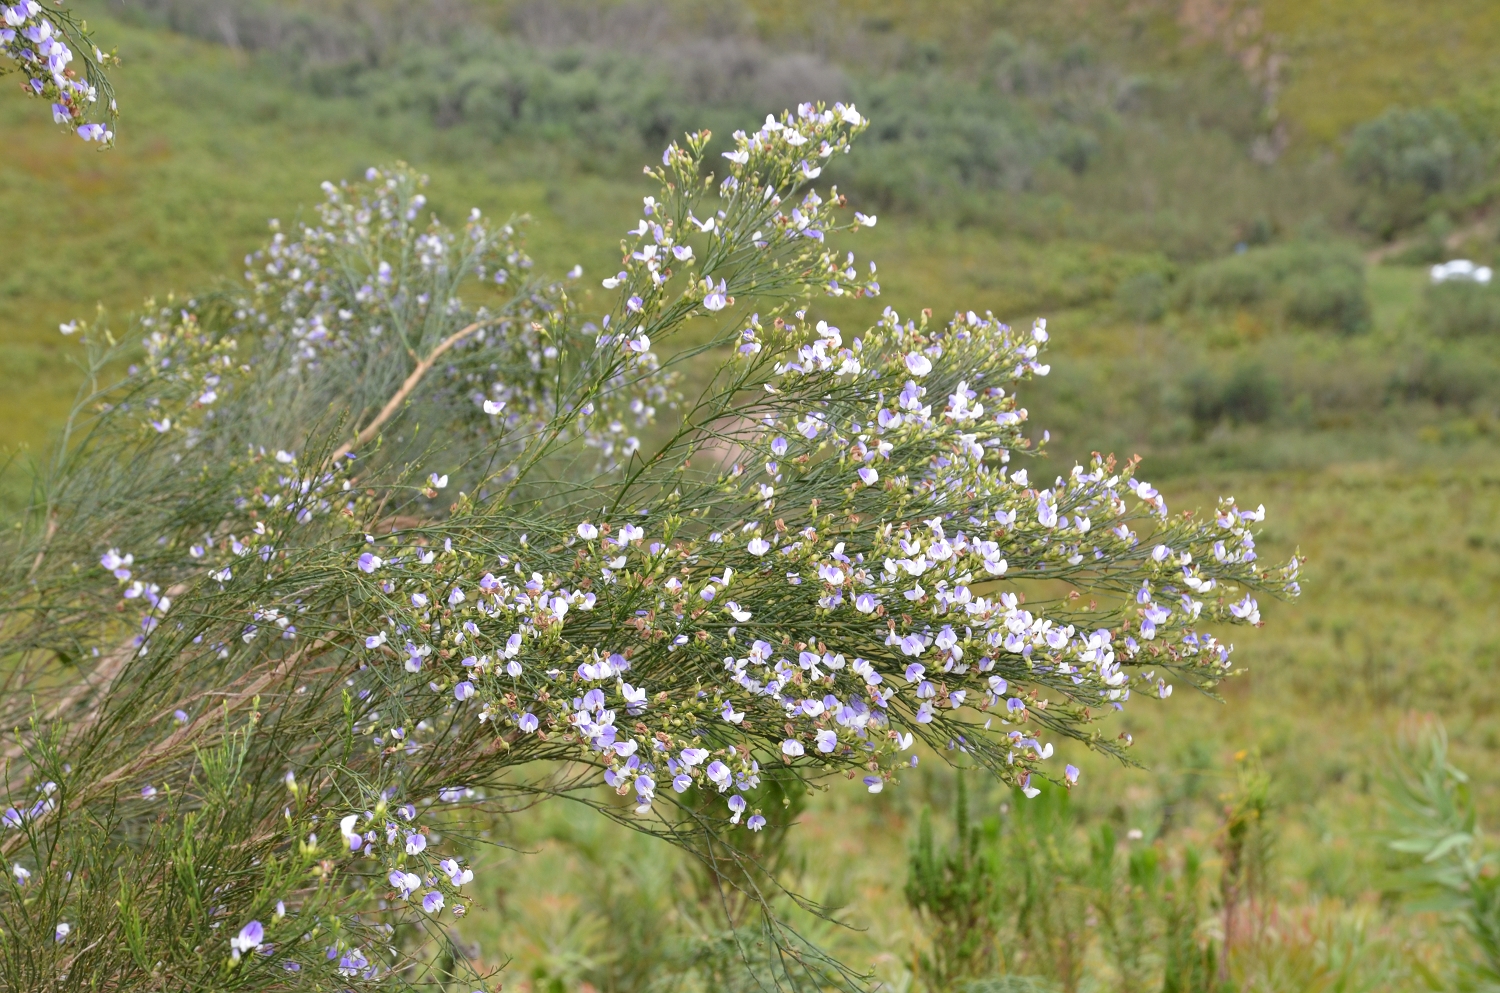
(369, 431)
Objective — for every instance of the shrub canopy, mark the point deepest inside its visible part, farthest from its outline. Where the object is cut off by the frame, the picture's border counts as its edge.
(399, 536)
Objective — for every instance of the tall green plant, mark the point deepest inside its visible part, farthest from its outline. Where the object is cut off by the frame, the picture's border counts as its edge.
(1453, 867)
(956, 890)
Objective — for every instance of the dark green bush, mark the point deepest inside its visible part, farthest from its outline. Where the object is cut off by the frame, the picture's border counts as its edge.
(1406, 157)
(1143, 297)
(1459, 309)
(1248, 395)
(1440, 377)
(1424, 149)
(1310, 283)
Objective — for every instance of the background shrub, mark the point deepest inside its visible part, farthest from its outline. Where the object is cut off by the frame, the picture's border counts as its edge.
(1406, 157)
(1312, 283)
(1462, 309)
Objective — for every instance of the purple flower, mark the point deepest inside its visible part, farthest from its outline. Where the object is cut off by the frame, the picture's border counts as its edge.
(432, 902)
(716, 299)
(456, 872)
(248, 940)
(918, 364)
(681, 782)
(528, 723)
(868, 475)
(791, 748)
(758, 546)
(415, 843)
(406, 883)
(369, 562)
(1046, 513)
(1070, 773)
(874, 784)
(756, 822)
(463, 690)
(866, 603)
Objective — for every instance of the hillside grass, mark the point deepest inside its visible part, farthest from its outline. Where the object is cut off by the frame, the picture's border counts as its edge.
(1384, 478)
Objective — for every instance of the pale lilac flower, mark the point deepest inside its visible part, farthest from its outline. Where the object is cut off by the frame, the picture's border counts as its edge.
(868, 475)
(1046, 513)
(369, 562)
(406, 883)
(456, 872)
(432, 902)
(463, 690)
(716, 299)
(528, 723)
(758, 547)
(587, 531)
(248, 940)
(493, 407)
(791, 748)
(918, 364)
(416, 842)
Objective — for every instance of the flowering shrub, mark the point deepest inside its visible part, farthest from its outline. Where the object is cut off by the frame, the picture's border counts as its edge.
(396, 538)
(37, 41)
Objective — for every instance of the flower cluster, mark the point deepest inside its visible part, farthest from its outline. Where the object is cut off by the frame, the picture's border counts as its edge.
(844, 555)
(36, 40)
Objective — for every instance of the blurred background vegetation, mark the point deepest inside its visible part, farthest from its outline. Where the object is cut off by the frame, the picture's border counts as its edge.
(1226, 209)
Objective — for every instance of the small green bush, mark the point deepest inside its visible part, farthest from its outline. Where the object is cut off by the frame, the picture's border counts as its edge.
(1424, 149)
(1440, 377)
(1462, 309)
(1403, 159)
(1248, 395)
(1310, 283)
(1143, 297)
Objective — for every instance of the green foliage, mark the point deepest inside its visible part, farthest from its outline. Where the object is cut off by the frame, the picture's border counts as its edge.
(1451, 862)
(1462, 309)
(956, 890)
(1405, 158)
(1308, 283)
(1248, 395)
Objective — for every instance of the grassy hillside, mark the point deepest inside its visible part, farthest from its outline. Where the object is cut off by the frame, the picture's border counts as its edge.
(1182, 214)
